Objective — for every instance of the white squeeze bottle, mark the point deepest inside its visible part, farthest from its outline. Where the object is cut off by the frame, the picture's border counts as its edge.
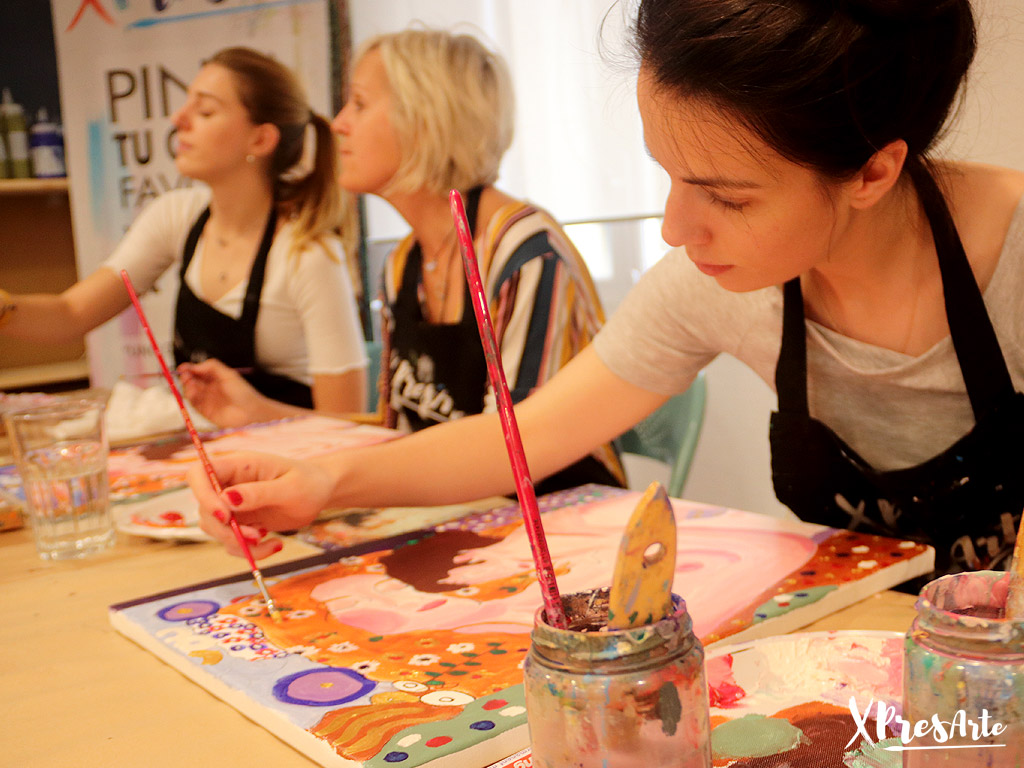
(17, 137)
(47, 147)
(5, 168)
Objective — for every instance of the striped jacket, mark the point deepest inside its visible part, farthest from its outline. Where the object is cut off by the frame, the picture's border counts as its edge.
(542, 301)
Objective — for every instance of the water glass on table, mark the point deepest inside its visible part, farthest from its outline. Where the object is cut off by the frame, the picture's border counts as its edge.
(60, 450)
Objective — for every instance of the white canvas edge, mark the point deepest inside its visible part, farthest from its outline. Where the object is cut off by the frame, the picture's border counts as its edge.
(277, 724)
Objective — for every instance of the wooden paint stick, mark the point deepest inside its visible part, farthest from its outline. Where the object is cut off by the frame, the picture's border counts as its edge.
(1015, 596)
(645, 567)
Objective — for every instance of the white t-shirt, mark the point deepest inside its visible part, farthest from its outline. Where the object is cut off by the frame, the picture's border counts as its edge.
(895, 410)
(308, 322)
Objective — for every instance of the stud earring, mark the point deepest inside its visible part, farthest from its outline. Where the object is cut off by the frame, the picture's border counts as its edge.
(250, 159)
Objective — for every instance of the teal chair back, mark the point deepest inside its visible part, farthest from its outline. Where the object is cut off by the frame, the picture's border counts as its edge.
(373, 351)
(670, 434)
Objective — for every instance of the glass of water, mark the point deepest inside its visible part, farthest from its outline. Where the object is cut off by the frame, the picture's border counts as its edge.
(60, 450)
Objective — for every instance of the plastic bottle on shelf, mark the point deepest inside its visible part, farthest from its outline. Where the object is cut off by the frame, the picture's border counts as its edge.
(17, 137)
(47, 147)
(5, 167)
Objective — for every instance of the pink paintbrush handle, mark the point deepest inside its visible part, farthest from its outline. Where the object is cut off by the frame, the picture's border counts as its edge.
(192, 433)
(513, 441)
(1015, 594)
(153, 374)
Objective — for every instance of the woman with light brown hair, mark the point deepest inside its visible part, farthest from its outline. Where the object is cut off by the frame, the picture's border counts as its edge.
(265, 285)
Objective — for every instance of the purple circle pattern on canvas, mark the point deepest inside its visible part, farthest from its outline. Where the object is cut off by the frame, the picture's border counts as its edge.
(192, 609)
(322, 687)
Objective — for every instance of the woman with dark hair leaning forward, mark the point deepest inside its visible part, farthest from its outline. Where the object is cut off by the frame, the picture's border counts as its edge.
(820, 243)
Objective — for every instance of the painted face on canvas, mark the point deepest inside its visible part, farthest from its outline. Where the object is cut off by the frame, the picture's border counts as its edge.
(370, 153)
(746, 216)
(214, 128)
(383, 605)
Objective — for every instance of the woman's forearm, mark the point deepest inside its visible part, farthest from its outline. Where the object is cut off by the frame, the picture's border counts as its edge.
(583, 406)
(68, 316)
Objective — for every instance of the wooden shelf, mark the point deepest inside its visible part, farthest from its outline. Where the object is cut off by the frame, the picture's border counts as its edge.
(30, 376)
(33, 186)
(37, 255)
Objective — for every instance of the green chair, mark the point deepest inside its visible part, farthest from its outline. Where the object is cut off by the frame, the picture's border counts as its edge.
(670, 434)
(373, 351)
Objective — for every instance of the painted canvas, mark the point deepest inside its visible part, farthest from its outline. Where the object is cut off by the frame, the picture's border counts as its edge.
(153, 467)
(175, 515)
(341, 528)
(408, 652)
(159, 466)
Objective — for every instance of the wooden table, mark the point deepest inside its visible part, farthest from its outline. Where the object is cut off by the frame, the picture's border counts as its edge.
(73, 692)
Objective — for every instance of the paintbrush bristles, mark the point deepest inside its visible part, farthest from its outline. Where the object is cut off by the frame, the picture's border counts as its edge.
(271, 607)
(1015, 594)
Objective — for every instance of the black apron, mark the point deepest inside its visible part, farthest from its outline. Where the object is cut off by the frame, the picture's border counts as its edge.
(438, 370)
(202, 332)
(966, 501)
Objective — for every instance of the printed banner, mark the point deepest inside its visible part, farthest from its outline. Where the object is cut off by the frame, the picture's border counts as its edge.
(124, 68)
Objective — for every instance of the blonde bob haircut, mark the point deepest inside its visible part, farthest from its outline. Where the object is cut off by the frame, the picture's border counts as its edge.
(452, 109)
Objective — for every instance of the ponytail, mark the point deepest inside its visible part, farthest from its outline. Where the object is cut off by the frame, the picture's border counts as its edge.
(307, 190)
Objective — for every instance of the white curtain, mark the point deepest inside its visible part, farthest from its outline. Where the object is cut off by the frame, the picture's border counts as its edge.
(578, 150)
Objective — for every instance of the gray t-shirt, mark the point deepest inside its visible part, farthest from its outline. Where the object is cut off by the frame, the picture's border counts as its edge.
(895, 410)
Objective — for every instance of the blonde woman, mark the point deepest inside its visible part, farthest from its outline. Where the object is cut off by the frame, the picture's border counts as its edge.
(265, 286)
(429, 111)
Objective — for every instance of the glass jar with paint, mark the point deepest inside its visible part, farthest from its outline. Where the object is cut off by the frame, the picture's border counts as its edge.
(963, 677)
(630, 698)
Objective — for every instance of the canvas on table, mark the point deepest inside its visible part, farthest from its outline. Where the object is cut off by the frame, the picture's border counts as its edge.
(409, 652)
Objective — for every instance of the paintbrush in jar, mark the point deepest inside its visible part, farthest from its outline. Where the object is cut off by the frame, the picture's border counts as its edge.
(203, 458)
(1015, 595)
(513, 441)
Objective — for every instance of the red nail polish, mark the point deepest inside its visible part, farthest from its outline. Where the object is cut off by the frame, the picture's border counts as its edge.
(278, 546)
(234, 497)
(220, 517)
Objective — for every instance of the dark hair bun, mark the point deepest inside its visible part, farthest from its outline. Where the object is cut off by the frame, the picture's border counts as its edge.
(825, 83)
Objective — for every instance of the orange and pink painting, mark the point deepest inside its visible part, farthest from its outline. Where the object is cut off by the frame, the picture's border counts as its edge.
(147, 479)
(158, 466)
(408, 652)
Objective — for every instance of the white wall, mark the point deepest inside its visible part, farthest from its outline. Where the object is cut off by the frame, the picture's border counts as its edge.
(578, 148)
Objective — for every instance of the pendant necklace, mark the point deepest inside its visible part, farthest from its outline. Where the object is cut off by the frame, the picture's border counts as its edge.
(447, 246)
(437, 288)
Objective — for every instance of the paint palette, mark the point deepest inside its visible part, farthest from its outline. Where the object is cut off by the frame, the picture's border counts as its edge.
(173, 515)
(786, 700)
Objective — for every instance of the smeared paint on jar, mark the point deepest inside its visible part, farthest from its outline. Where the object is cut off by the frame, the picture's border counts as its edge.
(965, 668)
(616, 699)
